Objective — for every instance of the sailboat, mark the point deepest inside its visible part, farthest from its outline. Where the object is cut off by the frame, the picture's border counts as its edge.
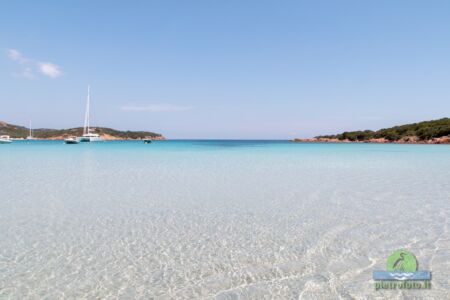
(88, 136)
(30, 137)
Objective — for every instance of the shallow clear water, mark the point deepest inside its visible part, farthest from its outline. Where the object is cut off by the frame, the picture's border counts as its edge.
(219, 219)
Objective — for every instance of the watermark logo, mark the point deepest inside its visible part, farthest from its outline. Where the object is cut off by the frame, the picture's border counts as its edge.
(402, 273)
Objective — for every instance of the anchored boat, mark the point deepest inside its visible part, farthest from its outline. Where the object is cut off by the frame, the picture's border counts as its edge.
(5, 139)
(88, 136)
(72, 140)
(30, 137)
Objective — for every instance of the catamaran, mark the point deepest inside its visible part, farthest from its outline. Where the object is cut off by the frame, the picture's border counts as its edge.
(88, 136)
(5, 139)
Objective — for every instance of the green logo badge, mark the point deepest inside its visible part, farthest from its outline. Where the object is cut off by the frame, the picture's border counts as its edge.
(403, 261)
(402, 273)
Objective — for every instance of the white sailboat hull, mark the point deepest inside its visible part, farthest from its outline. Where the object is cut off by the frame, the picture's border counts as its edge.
(90, 138)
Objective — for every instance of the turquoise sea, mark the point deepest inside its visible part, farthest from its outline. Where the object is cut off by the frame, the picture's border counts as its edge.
(219, 219)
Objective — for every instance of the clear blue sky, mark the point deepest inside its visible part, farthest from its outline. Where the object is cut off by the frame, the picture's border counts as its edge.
(225, 69)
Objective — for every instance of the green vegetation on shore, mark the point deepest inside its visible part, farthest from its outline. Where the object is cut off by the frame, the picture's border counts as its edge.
(422, 131)
(16, 131)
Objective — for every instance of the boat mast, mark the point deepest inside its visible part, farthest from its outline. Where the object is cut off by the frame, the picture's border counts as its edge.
(31, 132)
(86, 129)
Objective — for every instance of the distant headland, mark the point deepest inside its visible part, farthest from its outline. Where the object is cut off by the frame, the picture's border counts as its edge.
(15, 131)
(427, 132)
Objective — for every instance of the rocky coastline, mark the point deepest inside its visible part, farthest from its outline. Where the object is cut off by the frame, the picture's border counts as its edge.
(425, 132)
(405, 140)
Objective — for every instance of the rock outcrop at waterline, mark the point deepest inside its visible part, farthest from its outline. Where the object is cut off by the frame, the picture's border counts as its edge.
(15, 131)
(411, 140)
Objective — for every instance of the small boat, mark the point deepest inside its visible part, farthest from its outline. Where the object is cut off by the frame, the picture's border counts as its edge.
(72, 140)
(147, 141)
(5, 139)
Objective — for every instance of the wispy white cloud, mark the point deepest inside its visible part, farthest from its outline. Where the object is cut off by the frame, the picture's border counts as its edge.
(14, 54)
(155, 108)
(30, 66)
(49, 69)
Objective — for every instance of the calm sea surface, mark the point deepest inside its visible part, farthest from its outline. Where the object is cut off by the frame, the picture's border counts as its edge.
(219, 219)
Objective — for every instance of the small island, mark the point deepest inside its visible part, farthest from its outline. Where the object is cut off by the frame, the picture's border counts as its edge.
(427, 132)
(21, 132)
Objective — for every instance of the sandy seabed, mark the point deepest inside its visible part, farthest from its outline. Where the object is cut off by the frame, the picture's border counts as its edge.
(211, 221)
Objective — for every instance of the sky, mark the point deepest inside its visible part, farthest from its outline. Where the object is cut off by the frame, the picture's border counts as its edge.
(225, 69)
